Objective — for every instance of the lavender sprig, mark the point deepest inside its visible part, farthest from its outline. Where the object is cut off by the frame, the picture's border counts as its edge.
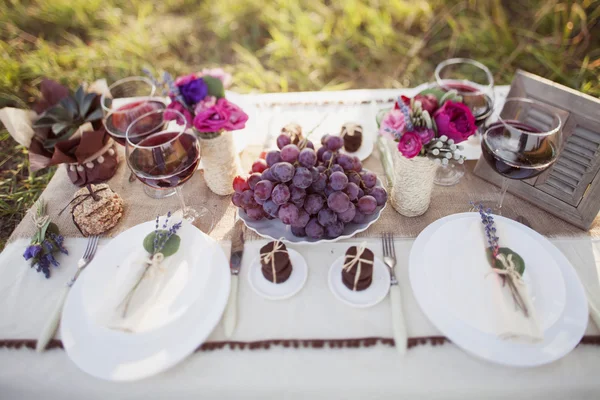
(406, 111)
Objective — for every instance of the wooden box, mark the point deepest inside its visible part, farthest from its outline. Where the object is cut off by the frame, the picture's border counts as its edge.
(570, 189)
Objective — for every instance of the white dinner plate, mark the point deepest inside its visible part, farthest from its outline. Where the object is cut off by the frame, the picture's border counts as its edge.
(559, 338)
(279, 291)
(198, 297)
(379, 288)
(274, 229)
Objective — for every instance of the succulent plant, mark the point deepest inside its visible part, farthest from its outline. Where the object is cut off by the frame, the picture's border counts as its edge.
(65, 118)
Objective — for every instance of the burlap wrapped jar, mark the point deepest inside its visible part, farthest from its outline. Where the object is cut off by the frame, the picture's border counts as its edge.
(412, 182)
(220, 160)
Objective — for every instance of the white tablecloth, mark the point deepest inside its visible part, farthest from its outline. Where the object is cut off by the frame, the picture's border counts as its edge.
(442, 371)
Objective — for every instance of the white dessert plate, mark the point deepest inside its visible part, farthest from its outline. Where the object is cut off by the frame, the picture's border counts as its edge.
(188, 308)
(279, 291)
(274, 229)
(560, 337)
(372, 295)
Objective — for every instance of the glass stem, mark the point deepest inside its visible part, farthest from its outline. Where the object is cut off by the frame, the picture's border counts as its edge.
(505, 183)
(179, 191)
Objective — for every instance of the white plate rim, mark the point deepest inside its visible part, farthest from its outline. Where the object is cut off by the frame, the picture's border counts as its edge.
(466, 337)
(195, 334)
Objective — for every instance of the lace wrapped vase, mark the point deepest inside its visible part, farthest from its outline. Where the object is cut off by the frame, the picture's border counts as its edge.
(220, 160)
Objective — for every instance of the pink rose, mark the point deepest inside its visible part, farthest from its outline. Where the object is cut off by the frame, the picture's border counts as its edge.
(220, 74)
(177, 106)
(410, 145)
(213, 119)
(205, 103)
(455, 120)
(237, 117)
(184, 80)
(429, 102)
(394, 122)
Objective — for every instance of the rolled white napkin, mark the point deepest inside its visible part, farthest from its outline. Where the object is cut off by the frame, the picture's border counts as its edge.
(152, 303)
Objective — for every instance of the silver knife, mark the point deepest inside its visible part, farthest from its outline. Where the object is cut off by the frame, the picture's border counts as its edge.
(235, 262)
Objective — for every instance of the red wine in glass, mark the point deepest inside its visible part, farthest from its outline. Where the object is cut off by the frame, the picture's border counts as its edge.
(480, 104)
(165, 160)
(118, 121)
(517, 160)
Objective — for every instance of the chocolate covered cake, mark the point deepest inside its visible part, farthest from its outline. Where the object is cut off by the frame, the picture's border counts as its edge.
(352, 135)
(275, 262)
(357, 272)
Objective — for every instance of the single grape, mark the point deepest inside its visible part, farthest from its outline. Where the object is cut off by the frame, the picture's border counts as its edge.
(354, 177)
(327, 156)
(302, 177)
(380, 195)
(352, 191)
(299, 232)
(283, 140)
(314, 173)
(321, 168)
(320, 183)
(314, 230)
(336, 168)
(247, 199)
(267, 175)
(236, 199)
(359, 218)
(297, 193)
(303, 218)
(307, 158)
(259, 165)
(313, 203)
(348, 215)
(338, 180)
(240, 184)
(290, 153)
(367, 204)
(263, 190)
(338, 202)
(273, 157)
(280, 194)
(327, 217)
(334, 143)
(283, 171)
(288, 214)
(324, 138)
(254, 179)
(345, 161)
(255, 214)
(320, 153)
(310, 145)
(334, 230)
(357, 164)
(271, 208)
(369, 179)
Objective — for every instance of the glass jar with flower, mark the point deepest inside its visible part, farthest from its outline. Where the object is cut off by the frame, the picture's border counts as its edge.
(200, 97)
(422, 133)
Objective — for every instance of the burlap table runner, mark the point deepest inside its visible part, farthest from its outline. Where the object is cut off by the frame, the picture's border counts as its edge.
(140, 208)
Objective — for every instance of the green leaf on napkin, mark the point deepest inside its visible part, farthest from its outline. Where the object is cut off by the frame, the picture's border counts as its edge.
(517, 259)
(215, 86)
(168, 249)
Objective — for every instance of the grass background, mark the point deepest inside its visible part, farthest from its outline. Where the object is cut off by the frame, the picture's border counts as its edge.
(278, 45)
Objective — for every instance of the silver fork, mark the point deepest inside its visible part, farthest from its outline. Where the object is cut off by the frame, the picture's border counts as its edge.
(52, 323)
(398, 324)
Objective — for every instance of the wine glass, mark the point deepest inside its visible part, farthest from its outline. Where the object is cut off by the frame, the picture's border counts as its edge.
(167, 159)
(524, 142)
(474, 82)
(125, 101)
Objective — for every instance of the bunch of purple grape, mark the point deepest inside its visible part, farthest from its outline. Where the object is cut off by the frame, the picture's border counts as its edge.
(315, 192)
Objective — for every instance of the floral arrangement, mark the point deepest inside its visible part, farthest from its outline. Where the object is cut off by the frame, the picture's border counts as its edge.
(200, 97)
(45, 243)
(65, 128)
(504, 262)
(431, 124)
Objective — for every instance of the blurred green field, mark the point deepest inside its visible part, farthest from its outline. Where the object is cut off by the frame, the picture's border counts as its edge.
(279, 45)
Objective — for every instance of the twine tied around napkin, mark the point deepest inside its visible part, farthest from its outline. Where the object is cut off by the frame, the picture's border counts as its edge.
(270, 257)
(357, 260)
(510, 274)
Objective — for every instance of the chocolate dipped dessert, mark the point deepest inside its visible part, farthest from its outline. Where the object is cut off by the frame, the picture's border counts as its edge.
(357, 272)
(352, 135)
(275, 262)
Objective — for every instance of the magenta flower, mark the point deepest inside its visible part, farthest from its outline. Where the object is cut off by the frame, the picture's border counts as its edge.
(221, 116)
(455, 120)
(237, 117)
(425, 134)
(410, 145)
(205, 103)
(393, 121)
(177, 106)
(429, 102)
(218, 73)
